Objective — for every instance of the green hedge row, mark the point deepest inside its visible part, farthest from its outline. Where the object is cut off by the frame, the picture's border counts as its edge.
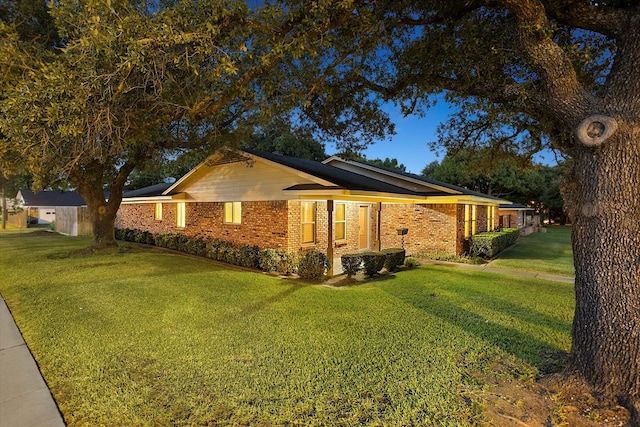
(310, 264)
(372, 262)
(489, 244)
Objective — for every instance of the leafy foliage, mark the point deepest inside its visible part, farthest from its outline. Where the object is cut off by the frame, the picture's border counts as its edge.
(351, 264)
(312, 264)
(489, 244)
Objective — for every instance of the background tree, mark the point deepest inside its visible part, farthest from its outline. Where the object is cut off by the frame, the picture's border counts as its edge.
(279, 136)
(564, 71)
(129, 79)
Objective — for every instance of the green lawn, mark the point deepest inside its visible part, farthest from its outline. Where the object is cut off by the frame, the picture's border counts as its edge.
(147, 337)
(548, 252)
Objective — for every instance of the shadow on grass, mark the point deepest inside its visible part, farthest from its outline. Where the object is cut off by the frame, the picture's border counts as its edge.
(273, 299)
(546, 357)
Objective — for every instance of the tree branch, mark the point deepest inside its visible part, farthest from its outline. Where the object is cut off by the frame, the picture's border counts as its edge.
(605, 20)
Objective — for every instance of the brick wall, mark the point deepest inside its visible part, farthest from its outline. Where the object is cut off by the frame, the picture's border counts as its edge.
(432, 228)
(276, 224)
(263, 224)
(349, 245)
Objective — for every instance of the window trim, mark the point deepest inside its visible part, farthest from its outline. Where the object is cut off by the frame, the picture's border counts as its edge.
(236, 213)
(157, 212)
(314, 206)
(181, 215)
(342, 223)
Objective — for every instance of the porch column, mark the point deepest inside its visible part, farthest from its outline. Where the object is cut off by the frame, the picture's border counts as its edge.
(330, 270)
(378, 242)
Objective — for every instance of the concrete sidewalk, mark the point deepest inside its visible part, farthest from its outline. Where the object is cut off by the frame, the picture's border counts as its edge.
(25, 399)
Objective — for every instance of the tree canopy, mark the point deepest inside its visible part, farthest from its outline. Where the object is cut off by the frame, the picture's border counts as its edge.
(112, 82)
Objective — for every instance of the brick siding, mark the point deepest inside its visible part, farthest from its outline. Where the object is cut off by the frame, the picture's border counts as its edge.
(263, 224)
(432, 228)
(277, 224)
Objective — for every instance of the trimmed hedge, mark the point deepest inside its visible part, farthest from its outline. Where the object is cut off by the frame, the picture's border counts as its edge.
(351, 264)
(373, 262)
(394, 257)
(489, 244)
(312, 264)
(216, 249)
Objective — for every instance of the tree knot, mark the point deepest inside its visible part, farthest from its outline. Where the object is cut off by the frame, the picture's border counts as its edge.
(596, 129)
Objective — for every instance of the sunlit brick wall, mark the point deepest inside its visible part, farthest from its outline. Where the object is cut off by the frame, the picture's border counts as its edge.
(432, 228)
(263, 224)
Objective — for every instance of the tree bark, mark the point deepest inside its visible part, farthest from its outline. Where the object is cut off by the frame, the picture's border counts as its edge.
(605, 208)
(89, 182)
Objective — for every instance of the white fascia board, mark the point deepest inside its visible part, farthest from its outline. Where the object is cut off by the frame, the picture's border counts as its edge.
(154, 199)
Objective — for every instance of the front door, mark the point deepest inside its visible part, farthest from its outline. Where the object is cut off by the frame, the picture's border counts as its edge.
(364, 227)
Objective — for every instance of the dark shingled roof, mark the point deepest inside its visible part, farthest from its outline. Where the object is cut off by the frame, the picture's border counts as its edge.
(150, 191)
(52, 198)
(340, 177)
(423, 178)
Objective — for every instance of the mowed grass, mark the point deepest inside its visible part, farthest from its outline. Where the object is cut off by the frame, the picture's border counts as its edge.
(548, 252)
(146, 337)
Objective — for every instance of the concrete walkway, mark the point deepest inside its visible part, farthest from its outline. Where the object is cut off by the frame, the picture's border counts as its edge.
(25, 399)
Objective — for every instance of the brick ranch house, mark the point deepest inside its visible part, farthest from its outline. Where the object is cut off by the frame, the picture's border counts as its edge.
(337, 207)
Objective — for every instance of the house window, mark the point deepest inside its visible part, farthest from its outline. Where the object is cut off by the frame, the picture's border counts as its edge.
(308, 222)
(341, 221)
(233, 212)
(469, 220)
(158, 211)
(180, 215)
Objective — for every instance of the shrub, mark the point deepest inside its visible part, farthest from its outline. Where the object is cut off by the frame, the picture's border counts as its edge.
(268, 259)
(411, 263)
(247, 256)
(351, 264)
(196, 246)
(373, 262)
(119, 233)
(145, 237)
(489, 244)
(394, 257)
(312, 264)
(288, 263)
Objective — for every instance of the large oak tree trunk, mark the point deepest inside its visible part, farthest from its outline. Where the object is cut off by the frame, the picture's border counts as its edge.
(102, 207)
(605, 206)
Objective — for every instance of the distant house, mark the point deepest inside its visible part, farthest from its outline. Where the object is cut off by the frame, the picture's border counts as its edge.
(338, 207)
(516, 216)
(66, 208)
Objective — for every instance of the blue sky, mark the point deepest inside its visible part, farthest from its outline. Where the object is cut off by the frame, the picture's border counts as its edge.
(410, 144)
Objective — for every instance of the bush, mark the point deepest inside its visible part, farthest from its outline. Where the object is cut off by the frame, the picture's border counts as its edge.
(145, 237)
(268, 259)
(351, 264)
(247, 256)
(288, 263)
(373, 262)
(312, 264)
(394, 257)
(196, 246)
(119, 233)
(411, 263)
(489, 244)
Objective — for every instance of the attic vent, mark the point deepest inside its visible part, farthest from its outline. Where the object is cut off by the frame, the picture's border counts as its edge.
(226, 158)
